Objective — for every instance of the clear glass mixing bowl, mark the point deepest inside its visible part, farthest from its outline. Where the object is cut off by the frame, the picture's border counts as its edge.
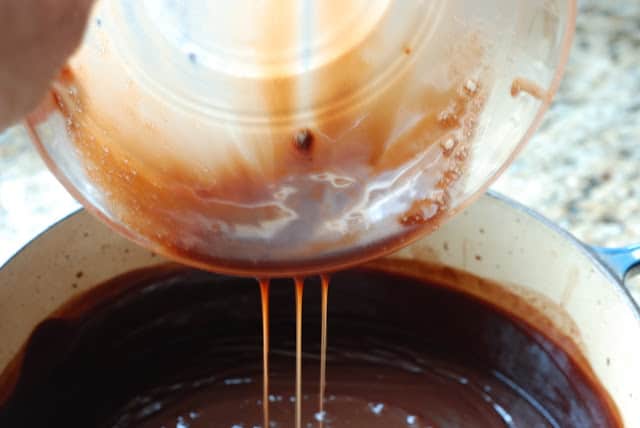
(289, 137)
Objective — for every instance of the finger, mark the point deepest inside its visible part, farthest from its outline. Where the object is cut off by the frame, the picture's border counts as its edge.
(36, 38)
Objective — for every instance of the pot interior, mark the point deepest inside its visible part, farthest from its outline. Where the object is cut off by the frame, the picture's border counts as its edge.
(539, 265)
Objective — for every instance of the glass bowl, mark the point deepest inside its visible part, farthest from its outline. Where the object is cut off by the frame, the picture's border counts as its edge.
(294, 137)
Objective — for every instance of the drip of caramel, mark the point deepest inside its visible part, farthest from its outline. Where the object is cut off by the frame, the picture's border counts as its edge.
(299, 282)
(325, 279)
(264, 298)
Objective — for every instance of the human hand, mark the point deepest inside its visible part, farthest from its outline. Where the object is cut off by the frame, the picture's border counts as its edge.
(36, 38)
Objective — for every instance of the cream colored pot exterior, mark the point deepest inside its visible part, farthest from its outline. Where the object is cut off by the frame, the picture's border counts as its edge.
(493, 239)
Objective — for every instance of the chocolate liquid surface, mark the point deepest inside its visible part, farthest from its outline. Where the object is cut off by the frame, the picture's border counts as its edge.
(181, 348)
(324, 283)
(264, 299)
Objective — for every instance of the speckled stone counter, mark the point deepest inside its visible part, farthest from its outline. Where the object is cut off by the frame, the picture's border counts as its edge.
(581, 170)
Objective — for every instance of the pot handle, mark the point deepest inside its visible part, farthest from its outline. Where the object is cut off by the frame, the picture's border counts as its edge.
(619, 260)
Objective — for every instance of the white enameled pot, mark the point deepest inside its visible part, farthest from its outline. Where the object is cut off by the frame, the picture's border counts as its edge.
(494, 239)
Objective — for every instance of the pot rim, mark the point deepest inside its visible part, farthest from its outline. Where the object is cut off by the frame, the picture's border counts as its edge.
(613, 274)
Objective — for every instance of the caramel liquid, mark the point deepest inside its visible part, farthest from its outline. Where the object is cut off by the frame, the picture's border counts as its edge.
(324, 279)
(264, 297)
(299, 292)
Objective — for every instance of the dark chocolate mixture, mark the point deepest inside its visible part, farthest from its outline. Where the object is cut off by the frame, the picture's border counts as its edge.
(179, 348)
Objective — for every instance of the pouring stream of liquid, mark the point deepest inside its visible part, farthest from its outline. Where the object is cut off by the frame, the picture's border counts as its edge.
(264, 295)
(299, 290)
(323, 348)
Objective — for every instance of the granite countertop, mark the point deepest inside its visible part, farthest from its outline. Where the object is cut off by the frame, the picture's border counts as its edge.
(582, 169)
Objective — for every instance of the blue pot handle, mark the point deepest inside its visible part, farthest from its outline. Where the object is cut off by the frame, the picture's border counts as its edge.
(619, 260)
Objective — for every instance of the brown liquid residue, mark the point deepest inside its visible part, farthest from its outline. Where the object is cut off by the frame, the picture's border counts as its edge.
(521, 84)
(299, 286)
(299, 283)
(279, 92)
(460, 115)
(423, 212)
